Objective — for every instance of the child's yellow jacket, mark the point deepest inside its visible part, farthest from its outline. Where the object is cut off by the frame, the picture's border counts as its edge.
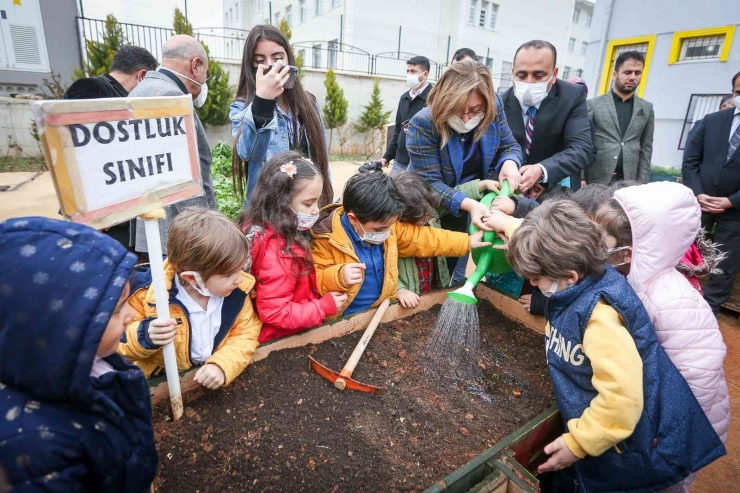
(234, 344)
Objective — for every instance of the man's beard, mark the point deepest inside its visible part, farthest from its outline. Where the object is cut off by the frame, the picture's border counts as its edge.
(623, 89)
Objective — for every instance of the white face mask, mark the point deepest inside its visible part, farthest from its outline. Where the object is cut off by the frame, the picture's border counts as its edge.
(200, 285)
(201, 99)
(412, 81)
(531, 94)
(374, 237)
(305, 221)
(737, 101)
(461, 127)
(610, 251)
(553, 289)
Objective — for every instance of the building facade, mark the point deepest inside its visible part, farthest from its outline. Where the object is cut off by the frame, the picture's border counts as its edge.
(579, 33)
(38, 39)
(691, 56)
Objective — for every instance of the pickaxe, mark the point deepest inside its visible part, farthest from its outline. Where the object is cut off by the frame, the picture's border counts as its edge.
(343, 379)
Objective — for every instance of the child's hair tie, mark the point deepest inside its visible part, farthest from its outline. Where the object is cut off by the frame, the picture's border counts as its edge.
(289, 169)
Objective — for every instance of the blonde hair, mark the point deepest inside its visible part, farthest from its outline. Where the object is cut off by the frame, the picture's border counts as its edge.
(556, 238)
(449, 96)
(206, 242)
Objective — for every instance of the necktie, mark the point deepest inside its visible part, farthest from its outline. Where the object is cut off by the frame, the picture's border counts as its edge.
(734, 142)
(531, 112)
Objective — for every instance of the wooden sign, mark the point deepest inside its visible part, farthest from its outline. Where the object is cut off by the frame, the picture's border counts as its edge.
(114, 159)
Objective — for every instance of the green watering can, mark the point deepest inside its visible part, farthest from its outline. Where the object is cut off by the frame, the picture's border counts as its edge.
(488, 260)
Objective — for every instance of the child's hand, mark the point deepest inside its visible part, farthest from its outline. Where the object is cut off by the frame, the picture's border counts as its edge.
(162, 331)
(490, 185)
(526, 301)
(339, 298)
(210, 376)
(408, 299)
(476, 241)
(503, 204)
(497, 221)
(560, 456)
(352, 274)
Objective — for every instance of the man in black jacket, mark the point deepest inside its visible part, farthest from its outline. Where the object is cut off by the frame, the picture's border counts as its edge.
(413, 101)
(711, 168)
(130, 65)
(549, 119)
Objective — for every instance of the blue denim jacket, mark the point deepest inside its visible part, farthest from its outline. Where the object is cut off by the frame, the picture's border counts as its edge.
(257, 146)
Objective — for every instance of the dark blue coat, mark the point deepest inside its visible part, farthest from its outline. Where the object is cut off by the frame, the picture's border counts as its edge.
(673, 437)
(61, 429)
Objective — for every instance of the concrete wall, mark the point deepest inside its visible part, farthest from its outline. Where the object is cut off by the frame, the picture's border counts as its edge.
(15, 129)
(61, 44)
(668, 87)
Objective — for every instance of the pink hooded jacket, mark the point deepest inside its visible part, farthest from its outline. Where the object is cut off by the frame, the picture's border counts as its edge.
(665, 219)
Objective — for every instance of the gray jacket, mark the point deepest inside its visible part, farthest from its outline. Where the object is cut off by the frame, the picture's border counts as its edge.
(157, 84)
(637, 144)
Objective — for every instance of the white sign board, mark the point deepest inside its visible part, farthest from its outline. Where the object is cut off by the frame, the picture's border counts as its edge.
(115, 159)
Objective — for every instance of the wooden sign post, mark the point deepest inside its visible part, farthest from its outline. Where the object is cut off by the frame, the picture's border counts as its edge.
(115, 159)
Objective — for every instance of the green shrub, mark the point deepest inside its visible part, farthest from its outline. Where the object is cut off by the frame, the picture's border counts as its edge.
(223, 187)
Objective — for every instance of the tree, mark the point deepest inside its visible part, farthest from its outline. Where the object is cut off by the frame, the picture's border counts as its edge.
(285, 29)
(335, 107)
(215, 111)
(373, 119)
(100, 53)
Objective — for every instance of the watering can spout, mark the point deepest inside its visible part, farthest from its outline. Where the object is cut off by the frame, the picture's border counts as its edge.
(464, 294)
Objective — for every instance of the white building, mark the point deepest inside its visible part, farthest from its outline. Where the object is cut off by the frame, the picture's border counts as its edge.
(346, 34)
(579, 33)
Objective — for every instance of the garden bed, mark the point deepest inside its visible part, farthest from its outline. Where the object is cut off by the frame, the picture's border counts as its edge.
(281, 427)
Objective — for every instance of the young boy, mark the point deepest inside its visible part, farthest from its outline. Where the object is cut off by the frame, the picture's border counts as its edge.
(625, 406)
(74, 415)
(212, 320)
(356, 244)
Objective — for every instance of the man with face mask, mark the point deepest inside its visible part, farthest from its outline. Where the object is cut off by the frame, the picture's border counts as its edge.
(413, 101)
(624, 143)
(549, 119)
(184, 70)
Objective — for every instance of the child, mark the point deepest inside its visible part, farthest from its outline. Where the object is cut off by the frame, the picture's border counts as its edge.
(417, 276)
(521, 205)
(356, 244)
(632, 422)
(649, 228)
(284, 205)
(74, 415)
(212, 321)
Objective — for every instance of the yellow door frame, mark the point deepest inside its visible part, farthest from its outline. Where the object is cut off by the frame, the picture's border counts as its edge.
(606, 75)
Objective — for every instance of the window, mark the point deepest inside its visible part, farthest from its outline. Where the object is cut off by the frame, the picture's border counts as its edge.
(703, 44)
(487, 61)
(571, 45)
(584, 47)
(333, 48)
(506, 77)
(576, 15)
(579, 72)
(318, 7)
(289, 15)
(483, 14)
(494, 16)
(643, 44)
(336, 3)
(700, 105)
(317, 55)
(473, 11)
(301, 11)
(589, 18)
(276, 17)
(566, 73)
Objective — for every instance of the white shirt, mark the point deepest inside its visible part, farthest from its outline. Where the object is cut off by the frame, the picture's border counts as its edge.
(100, 367)
(525, 118)
(735, 123)
(204, 324)
(419, 90)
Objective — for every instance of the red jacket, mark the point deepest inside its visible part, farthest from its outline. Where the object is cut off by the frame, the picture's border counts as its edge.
(286, 301)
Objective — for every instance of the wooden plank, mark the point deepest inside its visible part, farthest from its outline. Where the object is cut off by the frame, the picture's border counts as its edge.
(511, 308)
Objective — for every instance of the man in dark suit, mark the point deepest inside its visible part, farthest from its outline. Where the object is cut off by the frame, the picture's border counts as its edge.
(711, 168)
(130, 65)
(549, 119)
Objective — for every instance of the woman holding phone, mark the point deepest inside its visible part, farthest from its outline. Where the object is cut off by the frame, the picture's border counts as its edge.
(272, 112)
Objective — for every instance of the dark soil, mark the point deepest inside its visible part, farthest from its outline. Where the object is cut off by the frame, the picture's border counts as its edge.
(281, 427)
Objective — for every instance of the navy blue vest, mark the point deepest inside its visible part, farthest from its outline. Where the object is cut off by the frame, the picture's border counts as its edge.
(673, 437)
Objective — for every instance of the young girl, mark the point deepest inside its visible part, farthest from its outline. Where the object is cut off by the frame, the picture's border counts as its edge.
(417, 276)
(284, 206)
(649, 229)
(632, 422)
(268, 118)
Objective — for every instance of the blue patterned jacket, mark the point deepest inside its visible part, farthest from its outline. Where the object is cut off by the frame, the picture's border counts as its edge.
(441, 167)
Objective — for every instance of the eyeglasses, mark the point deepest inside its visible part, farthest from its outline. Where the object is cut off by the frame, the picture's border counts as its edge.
(471, 114)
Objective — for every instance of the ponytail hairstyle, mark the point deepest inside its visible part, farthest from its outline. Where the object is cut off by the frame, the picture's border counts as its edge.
(281, 177)
(301, 105)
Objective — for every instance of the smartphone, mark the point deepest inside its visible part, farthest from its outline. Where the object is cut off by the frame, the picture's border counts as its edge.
(290, 83)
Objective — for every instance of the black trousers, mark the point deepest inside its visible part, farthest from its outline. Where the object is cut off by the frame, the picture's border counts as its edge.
(727, 235)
